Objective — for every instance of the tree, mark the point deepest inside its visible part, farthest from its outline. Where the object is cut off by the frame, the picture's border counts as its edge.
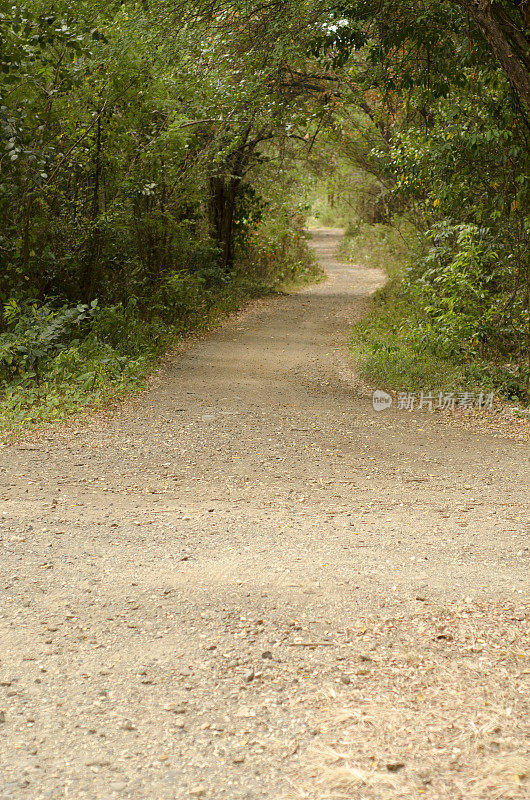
(505, 26)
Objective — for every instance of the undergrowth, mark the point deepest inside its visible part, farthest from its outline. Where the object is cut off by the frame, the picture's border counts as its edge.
(431, 326)
(58, 360)
(385, 247)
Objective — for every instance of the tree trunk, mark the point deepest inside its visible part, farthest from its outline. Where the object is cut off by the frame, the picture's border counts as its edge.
(508, 41)
(224, 189)
(221, 207)
(88, 279)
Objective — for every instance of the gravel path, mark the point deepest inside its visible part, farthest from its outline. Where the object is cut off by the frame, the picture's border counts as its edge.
(195, 587)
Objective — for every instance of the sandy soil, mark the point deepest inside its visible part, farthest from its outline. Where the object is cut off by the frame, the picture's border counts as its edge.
(246, 583)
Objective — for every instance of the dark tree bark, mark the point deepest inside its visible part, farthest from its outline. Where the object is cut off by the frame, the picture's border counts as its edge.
(224, 189)
(88, 278)
(221, 207)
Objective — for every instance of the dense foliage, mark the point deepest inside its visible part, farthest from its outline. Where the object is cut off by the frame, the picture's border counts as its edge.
(446, 141)
(138, 146)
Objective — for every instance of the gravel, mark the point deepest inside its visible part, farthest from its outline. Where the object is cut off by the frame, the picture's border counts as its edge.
(185, 579)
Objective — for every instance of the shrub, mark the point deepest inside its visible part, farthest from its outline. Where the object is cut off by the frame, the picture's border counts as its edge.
(37, 334)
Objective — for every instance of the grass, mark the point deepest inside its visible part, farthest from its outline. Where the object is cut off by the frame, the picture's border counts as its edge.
(391, 356)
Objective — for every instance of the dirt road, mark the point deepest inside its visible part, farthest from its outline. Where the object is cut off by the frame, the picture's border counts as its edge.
(246, 583)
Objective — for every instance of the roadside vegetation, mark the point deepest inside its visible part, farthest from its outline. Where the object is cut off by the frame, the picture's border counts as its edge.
(410, 343)
(434, 184)
(60, 360)
(148, 188)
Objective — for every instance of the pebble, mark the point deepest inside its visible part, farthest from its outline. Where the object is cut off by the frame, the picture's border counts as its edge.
(174, 708)
(267, 654)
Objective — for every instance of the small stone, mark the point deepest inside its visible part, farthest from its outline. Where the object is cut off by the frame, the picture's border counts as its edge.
(345, 679)
(175, 708)
(198, 791)
(267, 654)
(2, 717)
(395, 766)
(217, 727)
(249, 676)
(238, 760)
(127, 725)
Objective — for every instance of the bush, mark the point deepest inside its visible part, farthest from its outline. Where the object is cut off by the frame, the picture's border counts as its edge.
(438, 328)
(464, 286)
(55, 360)
(36, 335)
(277, 251)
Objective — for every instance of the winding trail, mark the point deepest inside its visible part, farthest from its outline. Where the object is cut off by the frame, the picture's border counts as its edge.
(182, 580)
